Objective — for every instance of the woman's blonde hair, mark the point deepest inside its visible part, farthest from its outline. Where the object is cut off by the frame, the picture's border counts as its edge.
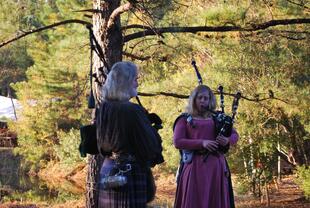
(191, 107)
(118, 85)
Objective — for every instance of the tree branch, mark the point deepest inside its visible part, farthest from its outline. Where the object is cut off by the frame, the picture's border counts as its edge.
(253, 27)
(286, 157)
(167, 94)
(271, 32)
(89, 10)
(24, 34)
(121, 9)
(136, 26)
(133, 56)
(298, 4)
(180, 96)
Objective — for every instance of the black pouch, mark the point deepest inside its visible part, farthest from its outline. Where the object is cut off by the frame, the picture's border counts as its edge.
(88, 143)
(117, 177)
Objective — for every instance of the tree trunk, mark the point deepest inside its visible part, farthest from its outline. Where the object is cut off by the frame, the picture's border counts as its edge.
(94, 164)
(111, 43)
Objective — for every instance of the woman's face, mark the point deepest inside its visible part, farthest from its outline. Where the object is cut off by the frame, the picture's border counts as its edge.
(134, 86)
(202, 101)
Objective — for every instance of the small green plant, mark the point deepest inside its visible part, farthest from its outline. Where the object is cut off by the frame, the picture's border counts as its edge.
(67, 150)
(303, 180)
(241, 185)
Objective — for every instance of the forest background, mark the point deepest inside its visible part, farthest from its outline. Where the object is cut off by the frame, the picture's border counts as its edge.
(48, 72)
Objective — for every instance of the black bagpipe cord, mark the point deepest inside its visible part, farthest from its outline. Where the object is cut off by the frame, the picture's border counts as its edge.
(94, 46)
(91, 98)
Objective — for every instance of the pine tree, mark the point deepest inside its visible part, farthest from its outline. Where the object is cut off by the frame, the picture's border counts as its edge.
(54, 96)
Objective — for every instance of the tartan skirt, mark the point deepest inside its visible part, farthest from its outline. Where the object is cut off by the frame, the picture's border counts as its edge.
(131, 195)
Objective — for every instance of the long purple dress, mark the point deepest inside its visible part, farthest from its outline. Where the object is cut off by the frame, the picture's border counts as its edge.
(202, 184)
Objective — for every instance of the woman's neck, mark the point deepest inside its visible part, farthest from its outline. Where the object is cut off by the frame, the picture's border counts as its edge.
(203, 115)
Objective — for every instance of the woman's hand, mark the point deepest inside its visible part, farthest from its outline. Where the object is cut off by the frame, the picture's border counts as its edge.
(210, 145)
(223, 141)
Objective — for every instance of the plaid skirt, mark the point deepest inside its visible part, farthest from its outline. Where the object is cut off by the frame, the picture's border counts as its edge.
(131, 195)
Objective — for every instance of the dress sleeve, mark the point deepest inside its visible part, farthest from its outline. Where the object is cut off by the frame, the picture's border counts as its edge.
(233, 137)
(180, 137)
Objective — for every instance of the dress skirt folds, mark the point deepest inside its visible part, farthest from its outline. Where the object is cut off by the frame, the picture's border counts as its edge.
(132, 195)
(204, 184)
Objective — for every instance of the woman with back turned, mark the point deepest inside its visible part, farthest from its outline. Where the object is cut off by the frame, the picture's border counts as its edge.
(127, 140)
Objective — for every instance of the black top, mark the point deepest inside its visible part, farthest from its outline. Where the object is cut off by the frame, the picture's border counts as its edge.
(123, 127)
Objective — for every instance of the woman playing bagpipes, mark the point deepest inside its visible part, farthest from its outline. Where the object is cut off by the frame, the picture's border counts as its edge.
(127, 140)
(204, 180)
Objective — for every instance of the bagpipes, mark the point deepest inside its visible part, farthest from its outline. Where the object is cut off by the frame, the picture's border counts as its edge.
(88, 143)
(223, 122)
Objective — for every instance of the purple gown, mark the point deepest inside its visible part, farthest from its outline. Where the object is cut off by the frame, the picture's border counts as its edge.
(202, 184)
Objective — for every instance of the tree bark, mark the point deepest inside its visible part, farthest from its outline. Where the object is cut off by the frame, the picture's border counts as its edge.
(94, 165)
(110, 40)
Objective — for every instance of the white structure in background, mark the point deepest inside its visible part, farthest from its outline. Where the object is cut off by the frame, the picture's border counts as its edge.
(8, 108)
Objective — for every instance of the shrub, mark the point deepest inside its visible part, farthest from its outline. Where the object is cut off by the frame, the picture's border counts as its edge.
(67, 150)
(304, 180)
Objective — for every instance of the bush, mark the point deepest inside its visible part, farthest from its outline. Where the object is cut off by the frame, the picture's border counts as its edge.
(304, 180)
(241, 185)
(67, 151)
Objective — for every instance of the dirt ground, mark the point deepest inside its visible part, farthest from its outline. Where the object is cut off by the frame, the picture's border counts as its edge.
(288, 195)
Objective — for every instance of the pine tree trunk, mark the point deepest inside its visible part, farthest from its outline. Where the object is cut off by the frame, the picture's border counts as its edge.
(94, 164)
(111, 44)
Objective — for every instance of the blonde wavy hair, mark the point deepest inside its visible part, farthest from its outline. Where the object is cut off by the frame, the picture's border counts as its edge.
(191, 107)
(118, 85)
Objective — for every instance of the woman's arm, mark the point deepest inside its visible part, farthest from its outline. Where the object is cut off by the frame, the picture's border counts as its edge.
(180, 138)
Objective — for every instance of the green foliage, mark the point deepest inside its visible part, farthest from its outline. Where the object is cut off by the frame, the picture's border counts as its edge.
(34, 156)
(53, 98)
(304, 179)
(13, 63)
(226, 14)
(241, 185)
(42, 196)
(66, 151)
(14, 59)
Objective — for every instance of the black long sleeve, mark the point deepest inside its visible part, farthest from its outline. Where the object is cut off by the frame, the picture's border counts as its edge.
(123, 127)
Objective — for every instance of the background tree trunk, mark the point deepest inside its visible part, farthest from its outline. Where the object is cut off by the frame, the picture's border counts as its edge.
(111, 43)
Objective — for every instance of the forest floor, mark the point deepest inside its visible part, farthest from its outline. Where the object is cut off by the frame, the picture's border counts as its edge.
(288, 195)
